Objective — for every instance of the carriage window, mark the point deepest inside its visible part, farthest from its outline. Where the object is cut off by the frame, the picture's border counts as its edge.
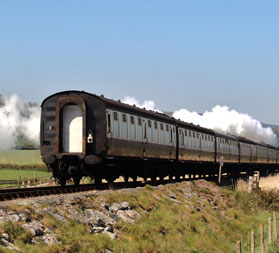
(132, 128)
(139, 129)
(124, 117)
(109, 123)
(183, 138)
(185, 132)
(144, 130)
(124, 127)
(194, 135)
(156, 133)
(171, 136)
(115, 125)
(162, 134)
(167, 135)
(150, 131)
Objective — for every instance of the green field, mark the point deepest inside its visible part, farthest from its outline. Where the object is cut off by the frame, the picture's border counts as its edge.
(20, 157)
(9, 174)
(23, 164)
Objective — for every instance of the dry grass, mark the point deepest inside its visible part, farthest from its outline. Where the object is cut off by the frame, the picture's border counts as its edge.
(242, 185)
(269, 183)
(266, 184)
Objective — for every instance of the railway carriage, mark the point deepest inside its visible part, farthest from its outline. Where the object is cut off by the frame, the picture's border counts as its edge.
(196, 144)
(88, 135)
(227, 147)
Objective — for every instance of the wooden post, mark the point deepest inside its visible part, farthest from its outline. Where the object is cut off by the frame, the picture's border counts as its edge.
(252, 241)
(220, 169)
(275, 233)
(248, 240)
(269, 231)
(35, 176)
(19, 181)
(238, 247)
(250, 184)
(262, 238)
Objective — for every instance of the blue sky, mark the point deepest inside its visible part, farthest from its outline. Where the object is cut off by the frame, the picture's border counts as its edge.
(181, 54)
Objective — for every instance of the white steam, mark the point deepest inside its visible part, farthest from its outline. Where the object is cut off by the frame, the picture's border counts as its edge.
(220, 119)
(18, 118)
(148, 104)
(224, 120)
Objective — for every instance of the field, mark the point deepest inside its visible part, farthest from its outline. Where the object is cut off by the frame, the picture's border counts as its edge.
(20, 164)
(20, 157)
(9, 174)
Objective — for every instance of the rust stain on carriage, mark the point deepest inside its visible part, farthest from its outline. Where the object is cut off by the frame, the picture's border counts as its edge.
(62, 101)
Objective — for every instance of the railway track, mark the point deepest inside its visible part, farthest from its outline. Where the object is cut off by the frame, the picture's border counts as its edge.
(21, 193)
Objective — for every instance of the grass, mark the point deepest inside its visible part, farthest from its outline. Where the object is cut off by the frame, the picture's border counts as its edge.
(225, 217)
(165, 226)
(20, 157)
(8, 175)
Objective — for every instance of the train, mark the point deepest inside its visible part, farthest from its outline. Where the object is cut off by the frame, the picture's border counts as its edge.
(83, 134)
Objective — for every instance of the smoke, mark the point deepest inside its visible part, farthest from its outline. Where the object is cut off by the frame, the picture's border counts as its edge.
(224, 120)
(18, 119)
(148, 104)
(220, 119)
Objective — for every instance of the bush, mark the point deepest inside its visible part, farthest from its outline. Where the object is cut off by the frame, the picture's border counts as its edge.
(13, 230)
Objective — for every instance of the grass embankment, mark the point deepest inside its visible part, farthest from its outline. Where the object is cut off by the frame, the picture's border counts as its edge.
(201, 218)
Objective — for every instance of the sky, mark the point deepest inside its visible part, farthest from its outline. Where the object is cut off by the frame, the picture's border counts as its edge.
(180, 54)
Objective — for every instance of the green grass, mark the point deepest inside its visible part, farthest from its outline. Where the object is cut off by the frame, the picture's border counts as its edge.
(9, 177)
(165, 226)
(20, 157)
(9, 174)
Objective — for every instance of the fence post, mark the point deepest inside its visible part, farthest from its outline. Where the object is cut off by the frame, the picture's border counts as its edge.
(250, 184)
(252, 241)
(275, 233)
(19, 179)
(269, 231)
(262, 238)
(35, 176)
(238, 247)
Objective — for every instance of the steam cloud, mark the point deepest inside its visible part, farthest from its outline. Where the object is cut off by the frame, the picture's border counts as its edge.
(221, 119)
(148, 104)
(18, 118)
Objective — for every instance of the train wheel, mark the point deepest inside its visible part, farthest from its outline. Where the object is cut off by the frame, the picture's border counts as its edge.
(153, 179)
(76, 180)
(126, 179)
(62, 181)
(98, 180)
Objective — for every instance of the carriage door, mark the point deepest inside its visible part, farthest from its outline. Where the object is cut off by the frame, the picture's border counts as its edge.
(72, 129)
